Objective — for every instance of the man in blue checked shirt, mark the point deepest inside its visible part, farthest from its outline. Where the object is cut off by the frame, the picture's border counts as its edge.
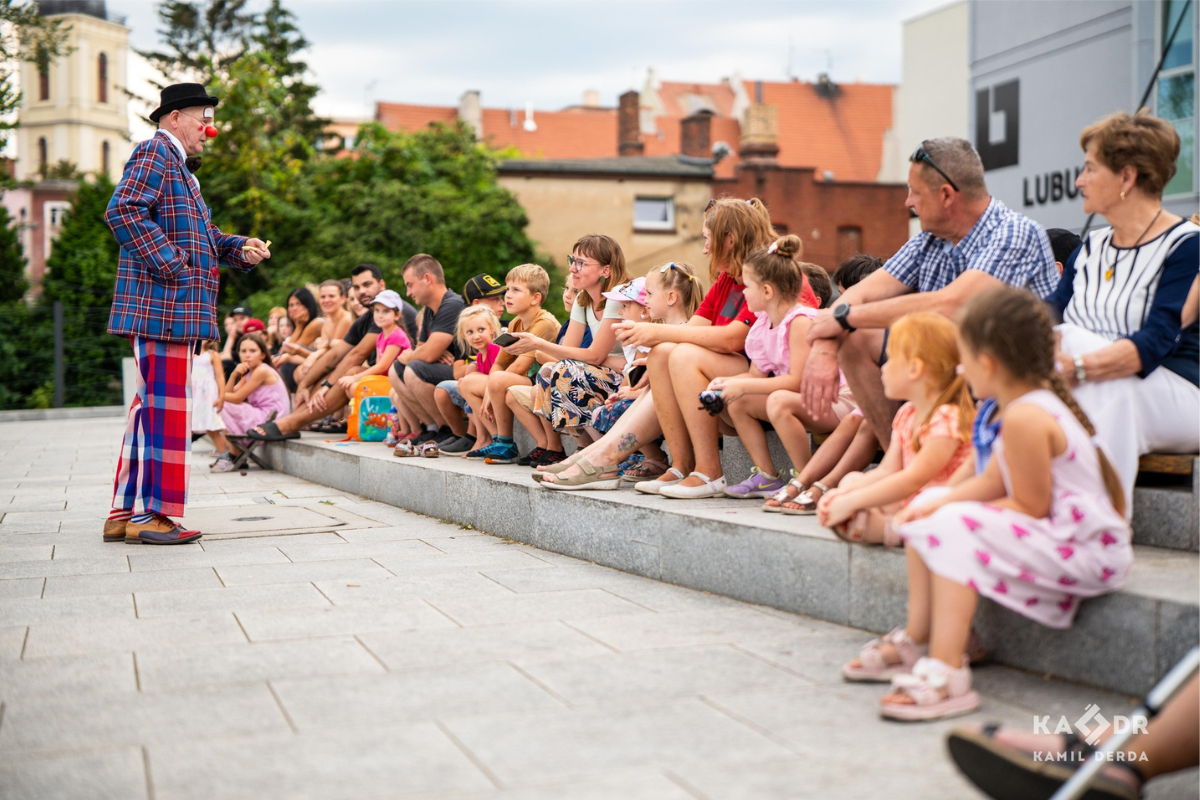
(969, 243)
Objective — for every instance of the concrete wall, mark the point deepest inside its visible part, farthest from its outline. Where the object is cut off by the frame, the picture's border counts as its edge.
(73, 121)
(1061, 65)
(563, 208)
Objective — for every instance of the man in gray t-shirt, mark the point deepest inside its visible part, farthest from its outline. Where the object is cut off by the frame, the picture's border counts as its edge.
(416, 372)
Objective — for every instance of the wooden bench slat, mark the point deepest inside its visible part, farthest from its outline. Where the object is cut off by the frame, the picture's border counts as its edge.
(1167, 464)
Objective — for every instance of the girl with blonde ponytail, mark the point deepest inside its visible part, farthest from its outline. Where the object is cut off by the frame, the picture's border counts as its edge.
(931, 434)
(1040, 529)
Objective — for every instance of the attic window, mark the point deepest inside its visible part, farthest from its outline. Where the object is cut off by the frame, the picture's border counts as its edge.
(654, 214)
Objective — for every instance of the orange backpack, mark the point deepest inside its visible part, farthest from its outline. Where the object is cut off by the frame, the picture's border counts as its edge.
(370, 410)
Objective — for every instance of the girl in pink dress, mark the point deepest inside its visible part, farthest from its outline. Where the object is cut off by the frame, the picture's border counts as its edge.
(931, 434)
(254, 390)
(1042, 528)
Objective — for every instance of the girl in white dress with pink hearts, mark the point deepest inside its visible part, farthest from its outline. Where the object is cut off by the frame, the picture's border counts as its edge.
(1041, 529)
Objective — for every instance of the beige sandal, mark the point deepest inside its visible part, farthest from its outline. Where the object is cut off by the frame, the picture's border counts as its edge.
(590, 476)
(804, 505)
(774, 503)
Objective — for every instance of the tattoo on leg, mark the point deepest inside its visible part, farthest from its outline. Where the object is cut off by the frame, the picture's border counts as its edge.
(627, 442)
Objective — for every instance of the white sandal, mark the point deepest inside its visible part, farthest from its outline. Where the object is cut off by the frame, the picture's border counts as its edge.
(937, 691)
(655, 486)
(710, 488)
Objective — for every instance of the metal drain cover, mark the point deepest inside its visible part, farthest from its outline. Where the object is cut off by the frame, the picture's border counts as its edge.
(250, 519)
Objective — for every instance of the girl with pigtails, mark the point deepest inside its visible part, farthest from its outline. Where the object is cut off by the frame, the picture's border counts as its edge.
(1041, 529)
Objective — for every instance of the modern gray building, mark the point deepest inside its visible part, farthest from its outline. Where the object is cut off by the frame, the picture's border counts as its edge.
(1042, 70)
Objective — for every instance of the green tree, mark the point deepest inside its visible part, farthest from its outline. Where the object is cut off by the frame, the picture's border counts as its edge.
(433, 191)
(201, 39)
(25, 36)
(81, 272)
(12, 262)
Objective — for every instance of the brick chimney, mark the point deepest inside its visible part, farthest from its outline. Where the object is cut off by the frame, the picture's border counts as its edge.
(696, 135)
(760, 134)
(629, 141)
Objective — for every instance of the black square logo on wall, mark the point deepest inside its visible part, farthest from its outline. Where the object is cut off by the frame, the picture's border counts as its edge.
(1005, 97)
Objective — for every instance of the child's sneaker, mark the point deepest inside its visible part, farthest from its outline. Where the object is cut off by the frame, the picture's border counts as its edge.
(390, 439)
(498, 452)
(757, 485)
(224, 462)
(532, 459)
(549, 457)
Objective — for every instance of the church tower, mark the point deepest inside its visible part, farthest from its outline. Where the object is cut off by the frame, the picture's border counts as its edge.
(77, 110)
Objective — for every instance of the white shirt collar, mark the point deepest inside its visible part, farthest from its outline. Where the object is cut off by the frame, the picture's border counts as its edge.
(178, 144)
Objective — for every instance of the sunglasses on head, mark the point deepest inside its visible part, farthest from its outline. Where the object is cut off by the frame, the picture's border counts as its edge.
(919, 155)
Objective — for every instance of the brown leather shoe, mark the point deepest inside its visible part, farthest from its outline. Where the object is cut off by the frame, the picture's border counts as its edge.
(160, 530)
(114, 530)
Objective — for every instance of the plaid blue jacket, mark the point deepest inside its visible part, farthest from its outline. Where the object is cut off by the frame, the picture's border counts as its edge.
(168, 276)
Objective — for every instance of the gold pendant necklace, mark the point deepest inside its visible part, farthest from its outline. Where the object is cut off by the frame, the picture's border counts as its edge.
(1111, 271)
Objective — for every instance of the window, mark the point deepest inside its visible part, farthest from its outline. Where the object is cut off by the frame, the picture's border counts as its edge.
(44, 84)
(102, 78)
(104, 158)
(53, 216)
(1176, 96)
(654, 214)
(43, 155)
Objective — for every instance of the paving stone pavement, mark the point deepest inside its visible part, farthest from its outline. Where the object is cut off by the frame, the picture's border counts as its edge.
(409, 658)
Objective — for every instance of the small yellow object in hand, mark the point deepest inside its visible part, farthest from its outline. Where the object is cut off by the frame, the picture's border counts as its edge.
(258, 250)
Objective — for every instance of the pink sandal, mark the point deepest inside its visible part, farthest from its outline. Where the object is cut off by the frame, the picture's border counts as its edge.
(872, 667)
(853, 530)
(937, 691)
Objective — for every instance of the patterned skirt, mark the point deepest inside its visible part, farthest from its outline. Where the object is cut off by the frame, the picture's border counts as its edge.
(568, 391)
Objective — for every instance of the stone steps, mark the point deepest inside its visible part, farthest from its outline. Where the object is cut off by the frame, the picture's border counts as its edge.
(1164, 515)
(1125, 641)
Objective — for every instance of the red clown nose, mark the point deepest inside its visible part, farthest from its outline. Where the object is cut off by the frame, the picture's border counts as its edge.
(210, 132)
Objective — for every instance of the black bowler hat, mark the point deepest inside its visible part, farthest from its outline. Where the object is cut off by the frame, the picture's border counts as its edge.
(182, 95)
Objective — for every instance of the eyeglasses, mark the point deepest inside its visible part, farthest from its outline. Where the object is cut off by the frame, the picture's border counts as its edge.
(920, 155)
(576, 263)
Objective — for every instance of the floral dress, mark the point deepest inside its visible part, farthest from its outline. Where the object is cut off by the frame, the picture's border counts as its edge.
(1038, 567)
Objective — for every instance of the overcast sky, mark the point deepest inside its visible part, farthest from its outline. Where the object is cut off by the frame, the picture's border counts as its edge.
(548, 53)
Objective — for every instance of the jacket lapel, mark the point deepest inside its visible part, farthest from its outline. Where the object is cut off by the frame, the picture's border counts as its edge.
(193, 189)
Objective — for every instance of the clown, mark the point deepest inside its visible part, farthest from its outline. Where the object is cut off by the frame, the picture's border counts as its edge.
(165, 304)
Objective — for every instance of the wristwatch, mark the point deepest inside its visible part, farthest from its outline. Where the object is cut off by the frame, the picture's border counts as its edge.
(327, 384)
(842, 314)
(1080, 370)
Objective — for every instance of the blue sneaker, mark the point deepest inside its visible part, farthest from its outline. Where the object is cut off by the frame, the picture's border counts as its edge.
(498, 452)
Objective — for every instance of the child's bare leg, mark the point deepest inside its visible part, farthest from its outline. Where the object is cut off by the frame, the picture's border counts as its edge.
(917, 624)
(219, 441)
(747, 413)
(831, 451)
(450, 412)
(1172, 739)
(783, 411)
(529, 420)
(553, 438)
(497, 388)
(861, 451)
(952, 609)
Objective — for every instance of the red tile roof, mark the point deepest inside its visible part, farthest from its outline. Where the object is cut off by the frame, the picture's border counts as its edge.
(842, 134)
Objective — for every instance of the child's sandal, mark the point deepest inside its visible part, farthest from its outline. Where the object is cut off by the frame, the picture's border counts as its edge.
(853, 530)
(775, 503)
(804, 505)
(937, 691)
(428, 450)
(873, 668)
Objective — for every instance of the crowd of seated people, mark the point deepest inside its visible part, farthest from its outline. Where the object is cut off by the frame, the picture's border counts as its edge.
(1005, 378)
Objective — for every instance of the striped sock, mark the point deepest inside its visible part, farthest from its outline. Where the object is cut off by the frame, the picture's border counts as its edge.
(141, 519)
(122, 514)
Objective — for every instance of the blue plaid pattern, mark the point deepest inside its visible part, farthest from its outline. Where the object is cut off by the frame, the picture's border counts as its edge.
(1004, 244)
(167, 276)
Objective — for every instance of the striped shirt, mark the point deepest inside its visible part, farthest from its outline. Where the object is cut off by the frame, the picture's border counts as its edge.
(1136, 293)
(1004, 244)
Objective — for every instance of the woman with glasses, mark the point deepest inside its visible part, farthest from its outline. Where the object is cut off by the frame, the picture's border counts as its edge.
(1133, 366)
(683, 360)
(581, 379)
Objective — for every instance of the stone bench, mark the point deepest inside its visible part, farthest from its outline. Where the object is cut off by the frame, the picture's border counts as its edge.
(1125, 641)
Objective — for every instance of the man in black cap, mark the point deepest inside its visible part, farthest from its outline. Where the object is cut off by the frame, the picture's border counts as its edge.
(485, 290)
(165, 303)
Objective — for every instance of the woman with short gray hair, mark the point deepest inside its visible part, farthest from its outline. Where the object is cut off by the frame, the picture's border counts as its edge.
(1134, 368)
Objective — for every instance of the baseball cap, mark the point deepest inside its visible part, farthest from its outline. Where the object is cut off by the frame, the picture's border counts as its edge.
(253, 326)
(245, 312)
(388, 298)
(632, 292)
(482, 286)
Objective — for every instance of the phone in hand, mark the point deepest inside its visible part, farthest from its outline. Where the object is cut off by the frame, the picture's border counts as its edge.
(505, 339)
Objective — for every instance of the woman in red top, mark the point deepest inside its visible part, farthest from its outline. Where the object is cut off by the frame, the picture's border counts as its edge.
(683, 359)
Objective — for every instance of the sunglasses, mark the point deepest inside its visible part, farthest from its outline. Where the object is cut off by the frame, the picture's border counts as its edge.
(920, 155)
